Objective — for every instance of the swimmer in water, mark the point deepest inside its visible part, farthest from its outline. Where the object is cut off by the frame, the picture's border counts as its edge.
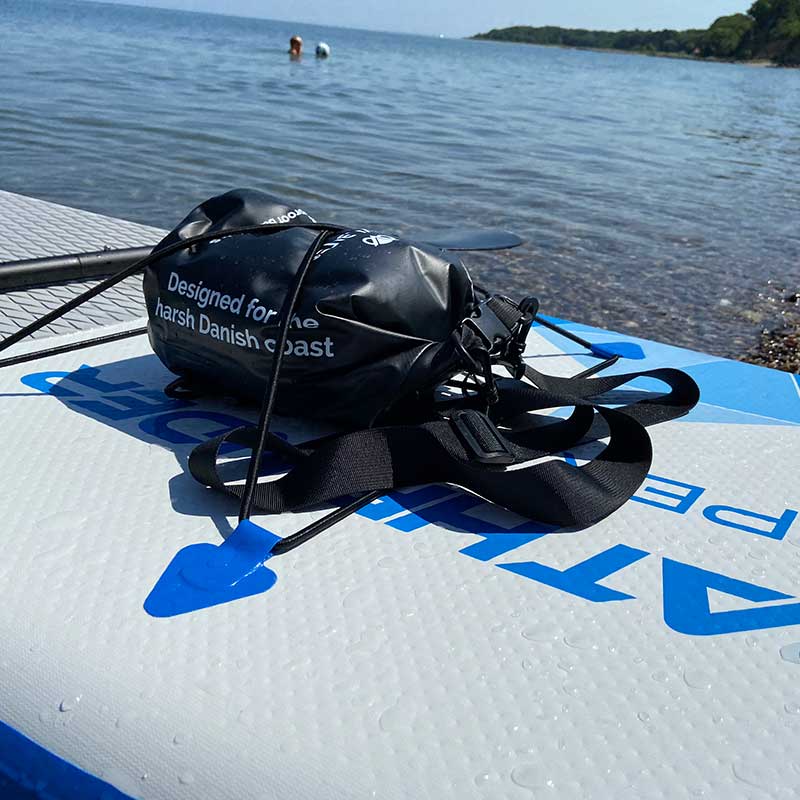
(295, 47)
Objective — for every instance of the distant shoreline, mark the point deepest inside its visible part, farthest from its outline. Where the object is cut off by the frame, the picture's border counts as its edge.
(768, 32)
(755, 62)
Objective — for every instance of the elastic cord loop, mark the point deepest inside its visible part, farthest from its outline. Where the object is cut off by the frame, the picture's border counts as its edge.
(287, 310)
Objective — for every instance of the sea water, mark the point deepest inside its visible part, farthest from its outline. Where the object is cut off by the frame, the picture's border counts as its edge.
(657, 196)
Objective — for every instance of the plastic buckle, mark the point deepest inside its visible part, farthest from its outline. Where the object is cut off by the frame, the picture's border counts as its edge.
(489, 327)
(481, 438)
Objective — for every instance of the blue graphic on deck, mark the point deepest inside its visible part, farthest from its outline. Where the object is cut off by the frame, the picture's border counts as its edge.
(778, 526)
(581, 579)
(37, 773)
(205, 575)
(747, 388)
(687, 610)
(678, 501)
(731, 392)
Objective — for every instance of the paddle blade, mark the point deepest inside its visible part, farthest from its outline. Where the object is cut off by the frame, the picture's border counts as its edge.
(470, 239)
(621, 349)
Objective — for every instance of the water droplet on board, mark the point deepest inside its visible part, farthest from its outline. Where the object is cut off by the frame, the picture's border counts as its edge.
(758, 555)
(566, 665)
(660, 676)
(398, 717)
(186, 778)
(792, 708)
(580, 641)
(46, 717)
(528, 776)
(696, 679)
(791, 653)
(486, 779)
(179, 739)
(388, 562)
(539, 633)
(69, 703)
(751, 641)
(643, 717)
(527, 664)
(358, 598)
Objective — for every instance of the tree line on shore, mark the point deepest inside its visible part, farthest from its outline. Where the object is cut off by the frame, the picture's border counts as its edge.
(769, 30)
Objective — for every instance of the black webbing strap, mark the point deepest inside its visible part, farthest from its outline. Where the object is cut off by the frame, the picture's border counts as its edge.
(555, 492)
(547, 391)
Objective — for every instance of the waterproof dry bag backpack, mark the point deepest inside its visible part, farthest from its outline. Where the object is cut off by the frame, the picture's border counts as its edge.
(421, 376)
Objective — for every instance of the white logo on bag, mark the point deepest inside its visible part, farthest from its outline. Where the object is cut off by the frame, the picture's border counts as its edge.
(282, 219)
(378, 239)
(372, 239)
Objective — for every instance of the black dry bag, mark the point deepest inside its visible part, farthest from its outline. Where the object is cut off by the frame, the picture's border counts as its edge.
(372, 328)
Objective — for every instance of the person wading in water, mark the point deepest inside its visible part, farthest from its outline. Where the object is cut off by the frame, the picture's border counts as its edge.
(295, 47)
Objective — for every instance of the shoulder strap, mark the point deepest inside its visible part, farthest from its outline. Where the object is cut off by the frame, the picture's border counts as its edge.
(467, 449)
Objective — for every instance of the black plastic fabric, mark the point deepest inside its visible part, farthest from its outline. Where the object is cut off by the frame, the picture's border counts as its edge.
(372, 327)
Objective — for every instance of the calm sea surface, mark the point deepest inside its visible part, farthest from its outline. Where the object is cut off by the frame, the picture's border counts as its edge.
(657, 196)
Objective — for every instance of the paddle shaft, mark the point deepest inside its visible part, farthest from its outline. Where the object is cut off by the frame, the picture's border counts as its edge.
(565, 333)
(100, 263)
(70, 267)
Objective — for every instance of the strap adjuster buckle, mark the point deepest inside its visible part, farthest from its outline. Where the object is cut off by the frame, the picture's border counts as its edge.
(493, 332)
(481, 438)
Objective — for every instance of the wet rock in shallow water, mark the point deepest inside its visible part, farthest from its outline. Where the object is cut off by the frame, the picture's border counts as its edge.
(778, 349)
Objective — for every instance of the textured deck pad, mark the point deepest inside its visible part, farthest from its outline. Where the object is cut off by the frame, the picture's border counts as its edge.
(34, 228)
(432, 646)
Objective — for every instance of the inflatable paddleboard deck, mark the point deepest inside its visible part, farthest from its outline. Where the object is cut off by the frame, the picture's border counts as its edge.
(432, 646)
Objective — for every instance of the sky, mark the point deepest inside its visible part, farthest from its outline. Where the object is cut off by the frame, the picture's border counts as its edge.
(465, 17)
